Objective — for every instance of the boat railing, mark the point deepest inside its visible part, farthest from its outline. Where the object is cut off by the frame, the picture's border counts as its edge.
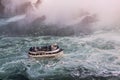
(44, 52)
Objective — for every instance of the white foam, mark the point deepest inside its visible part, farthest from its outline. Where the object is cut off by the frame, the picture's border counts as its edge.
(15, 18)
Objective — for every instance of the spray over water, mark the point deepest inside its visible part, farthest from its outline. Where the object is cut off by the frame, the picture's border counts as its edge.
(74, 16)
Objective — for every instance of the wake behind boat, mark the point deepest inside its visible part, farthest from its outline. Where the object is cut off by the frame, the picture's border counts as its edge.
(45, 51)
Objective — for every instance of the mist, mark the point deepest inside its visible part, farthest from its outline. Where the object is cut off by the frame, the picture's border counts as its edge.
(81, 15)
(66, 11)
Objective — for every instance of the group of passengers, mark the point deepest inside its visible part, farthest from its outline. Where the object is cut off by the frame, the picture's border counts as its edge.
(44, 48)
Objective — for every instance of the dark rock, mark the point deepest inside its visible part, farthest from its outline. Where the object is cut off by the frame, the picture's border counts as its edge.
(1, 9)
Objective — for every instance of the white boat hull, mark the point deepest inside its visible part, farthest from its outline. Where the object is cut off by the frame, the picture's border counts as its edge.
(45, 55)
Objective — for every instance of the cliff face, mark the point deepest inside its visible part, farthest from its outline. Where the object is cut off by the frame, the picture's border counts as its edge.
(14, 7)
(8, 11)
(1, 8)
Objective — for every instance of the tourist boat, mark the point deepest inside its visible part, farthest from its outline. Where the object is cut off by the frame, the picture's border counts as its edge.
(46, 54)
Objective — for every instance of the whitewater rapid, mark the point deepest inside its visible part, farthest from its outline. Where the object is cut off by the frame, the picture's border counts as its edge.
(91, 55)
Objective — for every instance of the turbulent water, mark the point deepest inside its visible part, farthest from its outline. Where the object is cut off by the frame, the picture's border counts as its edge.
(90, 57)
